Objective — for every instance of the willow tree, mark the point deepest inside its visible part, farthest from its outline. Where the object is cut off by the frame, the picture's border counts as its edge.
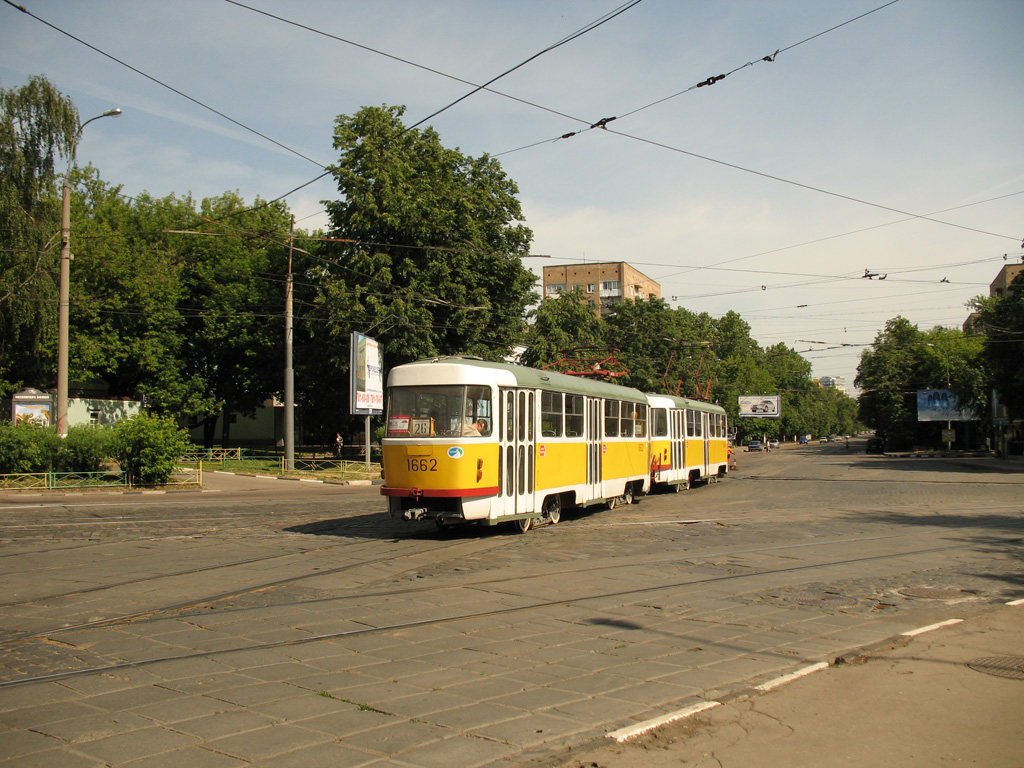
(38, 125)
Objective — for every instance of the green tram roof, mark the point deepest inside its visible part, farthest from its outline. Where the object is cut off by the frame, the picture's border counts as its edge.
(538, 379)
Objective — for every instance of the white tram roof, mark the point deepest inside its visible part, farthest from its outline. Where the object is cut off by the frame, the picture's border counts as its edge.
(473, 370)
(673, 401)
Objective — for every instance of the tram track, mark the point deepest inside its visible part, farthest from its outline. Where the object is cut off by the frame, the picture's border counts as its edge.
(534, 605)
(163, 612)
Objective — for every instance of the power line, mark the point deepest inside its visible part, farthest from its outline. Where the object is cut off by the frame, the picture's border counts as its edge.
(170, 88)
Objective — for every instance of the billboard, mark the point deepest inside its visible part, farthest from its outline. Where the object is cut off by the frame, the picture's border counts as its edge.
(367, 377)
(760, 406)
(940, 405)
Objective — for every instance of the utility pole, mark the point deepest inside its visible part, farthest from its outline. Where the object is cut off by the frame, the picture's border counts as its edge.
(289, 373)
(64, 308)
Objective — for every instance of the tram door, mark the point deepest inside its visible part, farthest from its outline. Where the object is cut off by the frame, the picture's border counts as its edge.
(677, 434)
(517, 451)
(705, 432)
(594, 419)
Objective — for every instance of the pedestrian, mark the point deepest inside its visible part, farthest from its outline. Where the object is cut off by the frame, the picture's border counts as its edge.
(337, 444)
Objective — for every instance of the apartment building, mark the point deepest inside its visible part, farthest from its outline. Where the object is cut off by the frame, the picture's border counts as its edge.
(603, 284)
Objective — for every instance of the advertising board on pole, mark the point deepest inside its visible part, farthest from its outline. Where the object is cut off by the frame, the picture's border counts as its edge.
(760, 407)
(367, 377)
(940, 405)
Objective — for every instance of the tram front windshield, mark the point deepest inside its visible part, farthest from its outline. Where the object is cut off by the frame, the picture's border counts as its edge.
(439, 411)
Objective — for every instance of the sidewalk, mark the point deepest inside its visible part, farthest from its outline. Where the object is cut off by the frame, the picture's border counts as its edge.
(913, 701)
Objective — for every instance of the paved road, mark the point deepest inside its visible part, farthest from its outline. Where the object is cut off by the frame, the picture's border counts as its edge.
(273, 623)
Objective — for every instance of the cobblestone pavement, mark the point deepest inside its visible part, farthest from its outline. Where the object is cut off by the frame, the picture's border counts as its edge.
(274, 623)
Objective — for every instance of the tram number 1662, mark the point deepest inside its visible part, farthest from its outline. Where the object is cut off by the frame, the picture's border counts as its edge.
(421, 465)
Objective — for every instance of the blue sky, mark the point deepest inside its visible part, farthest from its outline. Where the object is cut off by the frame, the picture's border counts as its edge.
(769, 192)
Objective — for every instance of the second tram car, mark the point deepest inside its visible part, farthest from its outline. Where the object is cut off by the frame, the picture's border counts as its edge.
(474, 441)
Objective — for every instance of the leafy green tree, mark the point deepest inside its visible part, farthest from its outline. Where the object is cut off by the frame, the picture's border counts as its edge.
(1002, 324)
(127, 295)
(38, 124)
(233, 330)
(560, 323)
(432, 259)
(903, 360)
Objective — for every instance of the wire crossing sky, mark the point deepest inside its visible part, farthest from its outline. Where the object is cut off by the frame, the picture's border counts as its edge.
(840, 132)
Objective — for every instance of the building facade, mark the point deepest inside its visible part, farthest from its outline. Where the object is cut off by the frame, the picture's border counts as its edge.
(603, 285)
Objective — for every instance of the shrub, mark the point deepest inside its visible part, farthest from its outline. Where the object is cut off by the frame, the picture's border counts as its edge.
(148, 448)
(85, 448)
(26, 447)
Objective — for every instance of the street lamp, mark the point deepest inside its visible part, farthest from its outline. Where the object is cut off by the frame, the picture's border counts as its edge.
(63, 313)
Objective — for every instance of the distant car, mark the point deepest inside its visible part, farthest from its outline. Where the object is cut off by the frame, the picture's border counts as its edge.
(755, 445)
(802, 441)
(822, 439)
(773, 444)
(875, 445)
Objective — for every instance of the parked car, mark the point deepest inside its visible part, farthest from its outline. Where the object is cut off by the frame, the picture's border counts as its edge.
(802, 441)
(875, 445)
(773, 444)
(822, 439)
(755, 445)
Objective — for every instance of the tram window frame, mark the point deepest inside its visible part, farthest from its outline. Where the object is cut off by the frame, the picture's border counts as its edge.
(689, 422)
(641, 420)
(627, 419)
(552, 416)
(698, 424)
(659, 422)
(611, 418)
(574, 415)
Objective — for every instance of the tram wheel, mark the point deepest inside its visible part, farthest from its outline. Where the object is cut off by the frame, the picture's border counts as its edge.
(523, 524)
(627, 496)
(553, 509)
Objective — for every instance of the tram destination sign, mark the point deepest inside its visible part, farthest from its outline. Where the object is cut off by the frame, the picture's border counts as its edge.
(760, 407)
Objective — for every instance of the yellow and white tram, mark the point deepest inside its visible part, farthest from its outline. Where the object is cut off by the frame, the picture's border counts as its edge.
(475, 441)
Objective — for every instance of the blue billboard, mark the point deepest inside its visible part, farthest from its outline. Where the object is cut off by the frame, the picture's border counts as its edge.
(940, 405)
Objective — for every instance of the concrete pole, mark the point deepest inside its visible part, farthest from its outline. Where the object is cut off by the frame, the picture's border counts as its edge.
(64, 312)
(289, 373)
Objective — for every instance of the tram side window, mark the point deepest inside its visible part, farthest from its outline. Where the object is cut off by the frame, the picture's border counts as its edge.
(659, 422)
(628, 414)
(574, 415)
(611, 418)
(551, 414)
(689, 423)
(641, 421)
(698, 430)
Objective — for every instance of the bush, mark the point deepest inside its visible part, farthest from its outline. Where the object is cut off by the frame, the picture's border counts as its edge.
(21, 448)
(85, 448)
(148, 448)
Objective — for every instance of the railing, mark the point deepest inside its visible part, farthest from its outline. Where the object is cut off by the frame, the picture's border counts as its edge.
(65, 480)
(212, 454)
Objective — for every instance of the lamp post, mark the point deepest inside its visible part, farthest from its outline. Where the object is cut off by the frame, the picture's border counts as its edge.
(63, 313)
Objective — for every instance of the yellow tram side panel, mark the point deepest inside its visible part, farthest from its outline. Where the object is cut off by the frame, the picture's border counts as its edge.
(448, 468)
(718, 451)
(694, 452)
(560, 464)
(625, 459)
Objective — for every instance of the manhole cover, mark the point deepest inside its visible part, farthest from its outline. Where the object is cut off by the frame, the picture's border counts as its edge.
(932, 593)
(1000, 666)
(829, 599)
